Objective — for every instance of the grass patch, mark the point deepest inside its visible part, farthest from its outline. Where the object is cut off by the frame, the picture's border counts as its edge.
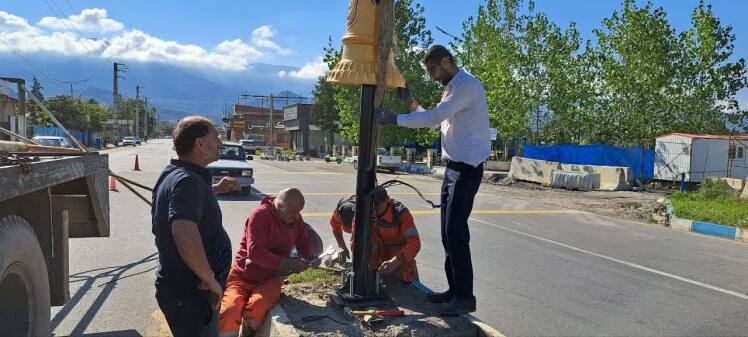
(315, 276)
(715, 202)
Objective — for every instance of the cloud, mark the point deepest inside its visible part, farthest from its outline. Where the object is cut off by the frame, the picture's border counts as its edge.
(310, 70)
(89, 20)
(262, 37)
(62, 36)
(139, 46)
(24, 38)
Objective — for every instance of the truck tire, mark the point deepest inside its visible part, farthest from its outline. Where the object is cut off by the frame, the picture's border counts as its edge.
(24, 283)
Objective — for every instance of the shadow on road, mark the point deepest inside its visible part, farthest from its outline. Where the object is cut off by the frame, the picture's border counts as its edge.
(114, 274)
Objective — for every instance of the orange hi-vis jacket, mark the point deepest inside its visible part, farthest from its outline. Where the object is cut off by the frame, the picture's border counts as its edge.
(393, 234)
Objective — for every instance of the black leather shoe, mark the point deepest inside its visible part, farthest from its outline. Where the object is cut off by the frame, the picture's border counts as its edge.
(458, 307)
(444, 297)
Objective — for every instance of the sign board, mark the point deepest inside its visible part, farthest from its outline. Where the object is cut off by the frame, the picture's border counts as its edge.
(493, 133)
(237, 124)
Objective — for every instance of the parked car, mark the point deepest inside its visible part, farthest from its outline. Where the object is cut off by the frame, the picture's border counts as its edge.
(250, 145)
(384, 161)
(138, 140)
(129, 141)
(55, 141)
(232, 163)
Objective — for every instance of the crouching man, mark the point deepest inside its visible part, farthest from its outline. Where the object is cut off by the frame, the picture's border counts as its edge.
(394, 236)
(254, 283)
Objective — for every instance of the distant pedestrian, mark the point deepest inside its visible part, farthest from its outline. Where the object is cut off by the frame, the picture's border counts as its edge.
(462, 116)
(194, 250)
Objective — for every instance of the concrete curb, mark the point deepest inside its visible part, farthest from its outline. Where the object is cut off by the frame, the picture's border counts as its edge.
(484, 330)
(705, 228)
(277, 324)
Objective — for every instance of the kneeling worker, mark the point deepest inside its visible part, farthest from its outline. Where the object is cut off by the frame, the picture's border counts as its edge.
(256, 276)
(394, 235)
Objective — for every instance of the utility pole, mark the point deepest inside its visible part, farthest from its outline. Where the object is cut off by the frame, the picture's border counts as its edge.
(118, 68)
(147, 118)
(272, 112)
(271, 99)
(137, 111)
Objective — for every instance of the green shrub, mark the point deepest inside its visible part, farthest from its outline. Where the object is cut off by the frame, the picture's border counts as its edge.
(715, 189)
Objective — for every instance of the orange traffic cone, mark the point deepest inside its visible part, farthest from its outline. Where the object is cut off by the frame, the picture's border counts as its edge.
(137, 164)
(112, 185)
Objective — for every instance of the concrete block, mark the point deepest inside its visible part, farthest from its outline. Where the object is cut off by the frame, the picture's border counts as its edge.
(735, 184)
(575, 180)
(537, 171)
(706, 228)
(612, 178)
(680, 224)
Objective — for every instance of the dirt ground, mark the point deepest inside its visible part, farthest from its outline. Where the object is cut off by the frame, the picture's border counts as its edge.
(300, 300)
(628, 205)
(640, 206)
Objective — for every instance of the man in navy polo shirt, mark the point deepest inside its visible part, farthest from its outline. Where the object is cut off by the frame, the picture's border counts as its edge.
(194, 249)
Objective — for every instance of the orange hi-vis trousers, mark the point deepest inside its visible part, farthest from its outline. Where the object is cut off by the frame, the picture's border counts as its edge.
(248, 301)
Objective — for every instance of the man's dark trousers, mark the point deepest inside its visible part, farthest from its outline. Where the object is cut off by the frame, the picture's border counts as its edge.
(189, 313)
(459, 187)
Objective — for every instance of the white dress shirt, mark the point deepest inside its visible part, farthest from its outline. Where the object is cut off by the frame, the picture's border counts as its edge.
(463, 117)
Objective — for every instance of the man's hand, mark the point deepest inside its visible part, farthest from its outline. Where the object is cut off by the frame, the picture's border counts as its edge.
(389, 266)
(386, 117)
(216, 293)
(294, 266)
(343, 255)
(226, 185)
(405, 95)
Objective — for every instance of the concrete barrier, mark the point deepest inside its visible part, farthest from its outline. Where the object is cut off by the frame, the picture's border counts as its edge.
(575, 180)
(735, 184)
(612, 178)
(537, 171)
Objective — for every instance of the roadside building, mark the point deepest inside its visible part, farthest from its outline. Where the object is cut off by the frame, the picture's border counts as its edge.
(250, 122)
(306, 137)
(700, 156)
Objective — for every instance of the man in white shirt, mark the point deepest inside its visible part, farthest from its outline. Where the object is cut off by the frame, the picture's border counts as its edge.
(462, 116)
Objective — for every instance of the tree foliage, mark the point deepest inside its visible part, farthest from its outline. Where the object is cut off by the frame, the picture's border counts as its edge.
(412, 39)
(639, 79)
(77, 113)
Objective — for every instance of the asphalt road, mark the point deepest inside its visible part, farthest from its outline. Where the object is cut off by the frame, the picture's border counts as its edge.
(540, 270)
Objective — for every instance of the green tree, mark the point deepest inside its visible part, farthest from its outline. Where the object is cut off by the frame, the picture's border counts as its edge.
(36, 115)
(707, 80)
(324, 112)
(76, 113)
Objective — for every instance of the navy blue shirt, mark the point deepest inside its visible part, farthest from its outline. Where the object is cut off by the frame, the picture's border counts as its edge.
(184, 192)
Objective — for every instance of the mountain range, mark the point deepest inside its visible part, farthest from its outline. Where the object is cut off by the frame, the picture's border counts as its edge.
(175, 91)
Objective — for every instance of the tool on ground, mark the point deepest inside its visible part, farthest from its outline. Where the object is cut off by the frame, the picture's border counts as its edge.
(329, 251)
(314, 318)
(382, 313)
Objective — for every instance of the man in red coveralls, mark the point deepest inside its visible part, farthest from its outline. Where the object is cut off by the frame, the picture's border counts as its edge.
(394, 236)
(256, 276)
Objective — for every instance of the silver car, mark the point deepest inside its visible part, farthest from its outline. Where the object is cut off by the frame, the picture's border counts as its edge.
(232, 162)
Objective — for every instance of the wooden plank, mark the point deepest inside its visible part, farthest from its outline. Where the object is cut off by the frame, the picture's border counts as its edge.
(99, 192)
(59, 275)
(48, 173)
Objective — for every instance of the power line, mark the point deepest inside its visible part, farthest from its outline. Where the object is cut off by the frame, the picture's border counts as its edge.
(33, 67)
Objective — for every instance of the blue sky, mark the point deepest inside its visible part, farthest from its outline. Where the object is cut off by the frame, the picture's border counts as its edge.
(230, 35)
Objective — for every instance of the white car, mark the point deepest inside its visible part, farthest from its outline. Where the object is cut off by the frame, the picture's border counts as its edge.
(129, 140)
(384, 161)
(55, 141)
(232, 162)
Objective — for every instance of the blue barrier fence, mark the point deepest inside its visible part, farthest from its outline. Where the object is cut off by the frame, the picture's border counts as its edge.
(640, 160)
(88, 138)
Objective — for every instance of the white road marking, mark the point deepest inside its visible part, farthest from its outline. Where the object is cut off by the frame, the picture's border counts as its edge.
(630, 264)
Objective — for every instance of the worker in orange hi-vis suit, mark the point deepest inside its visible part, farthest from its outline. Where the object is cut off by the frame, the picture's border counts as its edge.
(256, 276)
(395, 237)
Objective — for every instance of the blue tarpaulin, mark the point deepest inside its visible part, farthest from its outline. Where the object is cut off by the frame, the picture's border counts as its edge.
(638, 159)
(88, 138)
